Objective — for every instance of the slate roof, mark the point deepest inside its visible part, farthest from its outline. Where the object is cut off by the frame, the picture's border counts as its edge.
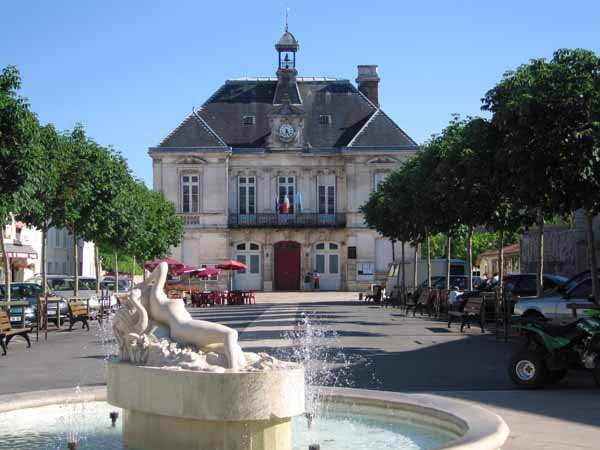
(355, 121)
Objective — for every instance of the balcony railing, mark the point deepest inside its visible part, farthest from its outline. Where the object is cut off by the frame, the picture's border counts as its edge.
(190, 219)
(298, 220)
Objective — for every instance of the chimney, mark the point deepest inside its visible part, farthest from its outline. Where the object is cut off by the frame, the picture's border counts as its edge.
(368, 82)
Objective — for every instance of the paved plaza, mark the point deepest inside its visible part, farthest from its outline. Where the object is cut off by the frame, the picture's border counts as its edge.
(366, 346)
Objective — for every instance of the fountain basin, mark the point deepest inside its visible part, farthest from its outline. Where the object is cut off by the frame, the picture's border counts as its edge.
(465, 426)
(198, 410)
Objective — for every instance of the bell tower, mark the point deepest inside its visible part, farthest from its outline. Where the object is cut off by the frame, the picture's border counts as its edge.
(286, 119)
(287, 46)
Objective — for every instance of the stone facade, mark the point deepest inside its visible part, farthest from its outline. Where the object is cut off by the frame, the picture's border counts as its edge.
(270, 161)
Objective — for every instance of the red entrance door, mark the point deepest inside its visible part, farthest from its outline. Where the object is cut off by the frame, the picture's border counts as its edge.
(287, 266)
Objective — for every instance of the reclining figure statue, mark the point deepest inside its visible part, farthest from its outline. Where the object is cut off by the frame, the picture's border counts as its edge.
(148, 305)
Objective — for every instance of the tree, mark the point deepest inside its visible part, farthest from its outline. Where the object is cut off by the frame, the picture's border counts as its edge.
(573, 101)
(90, 177)
(519, 103)
(547, 113)
(19, 155)
(162, 227)
(39, 210)
(111, 220)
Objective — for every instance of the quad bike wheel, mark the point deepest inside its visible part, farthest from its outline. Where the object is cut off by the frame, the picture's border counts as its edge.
(528, 370)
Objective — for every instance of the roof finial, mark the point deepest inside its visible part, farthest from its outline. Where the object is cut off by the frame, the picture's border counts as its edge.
(287, 12)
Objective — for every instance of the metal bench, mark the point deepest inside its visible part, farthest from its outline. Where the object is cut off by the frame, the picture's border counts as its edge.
(7, 332)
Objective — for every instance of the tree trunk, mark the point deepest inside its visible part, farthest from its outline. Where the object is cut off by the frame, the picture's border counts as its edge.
(393, 249)
(428, 260)
(403, 267)
(7, 272)
(132, 269)
(44, 257)
(470, 258)
(116, 273)
(97, 266)
(448, 256)
(76, 262)
(416, 267)
(592, 256)
(540, 267)
(501, 264)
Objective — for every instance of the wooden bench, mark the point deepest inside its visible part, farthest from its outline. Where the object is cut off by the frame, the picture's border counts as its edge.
(79, 312)
(474, 308)
(418, 303)
(441, 302)
(393, 299)
(7, 332)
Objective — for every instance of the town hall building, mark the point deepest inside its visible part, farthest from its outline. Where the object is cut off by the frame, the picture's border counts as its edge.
(273, 172)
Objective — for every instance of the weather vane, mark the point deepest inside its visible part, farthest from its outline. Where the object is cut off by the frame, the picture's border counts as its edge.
(287, 12)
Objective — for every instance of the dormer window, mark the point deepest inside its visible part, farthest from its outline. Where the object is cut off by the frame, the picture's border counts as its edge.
(248, 120)
(325, 119)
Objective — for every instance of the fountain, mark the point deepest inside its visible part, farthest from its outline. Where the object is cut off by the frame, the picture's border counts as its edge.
(180, 383)
(190, 377)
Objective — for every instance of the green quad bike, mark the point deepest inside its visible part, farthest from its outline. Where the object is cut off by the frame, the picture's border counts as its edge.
(552, 349)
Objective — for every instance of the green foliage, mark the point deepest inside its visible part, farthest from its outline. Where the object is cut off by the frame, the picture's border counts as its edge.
(482, 241)
(19, 150)
(125, 262)
(39, 210)
(163, 228)
(547, 114)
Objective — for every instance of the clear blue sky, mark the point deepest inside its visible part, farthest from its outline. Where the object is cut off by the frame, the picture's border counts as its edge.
(131, 70)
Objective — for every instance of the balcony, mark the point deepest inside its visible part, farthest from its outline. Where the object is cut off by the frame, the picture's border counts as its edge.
(190, 220)
(299, 220)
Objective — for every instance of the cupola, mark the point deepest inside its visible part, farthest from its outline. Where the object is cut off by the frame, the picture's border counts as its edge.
(286, 47)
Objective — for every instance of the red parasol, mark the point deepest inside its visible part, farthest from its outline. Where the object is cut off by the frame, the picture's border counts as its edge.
(232, 265)
(207, 272)
(188, 270)
(174, 265)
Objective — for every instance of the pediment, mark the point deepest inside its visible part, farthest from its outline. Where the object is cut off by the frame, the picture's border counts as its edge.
(383, 160)
(190, 161)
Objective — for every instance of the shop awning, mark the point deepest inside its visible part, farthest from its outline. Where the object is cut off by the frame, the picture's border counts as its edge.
(20, 251)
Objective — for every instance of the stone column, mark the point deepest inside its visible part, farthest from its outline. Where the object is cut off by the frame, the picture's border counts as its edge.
(268, 258)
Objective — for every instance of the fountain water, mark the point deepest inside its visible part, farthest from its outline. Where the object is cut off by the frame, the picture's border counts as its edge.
(316, 347)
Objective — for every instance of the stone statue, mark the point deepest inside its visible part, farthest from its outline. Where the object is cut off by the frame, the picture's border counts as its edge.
(154, 330)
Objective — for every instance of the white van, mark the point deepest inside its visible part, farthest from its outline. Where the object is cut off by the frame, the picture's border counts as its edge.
(438, 269)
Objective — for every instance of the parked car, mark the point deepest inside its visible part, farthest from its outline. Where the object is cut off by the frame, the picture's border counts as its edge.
(525, 284)
(30, 292)
(439, 282)
(64, 286)
(108, 283)
(554, 305)
(22, 292)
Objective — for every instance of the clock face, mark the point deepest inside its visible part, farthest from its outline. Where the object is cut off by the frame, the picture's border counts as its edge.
(287, 132)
